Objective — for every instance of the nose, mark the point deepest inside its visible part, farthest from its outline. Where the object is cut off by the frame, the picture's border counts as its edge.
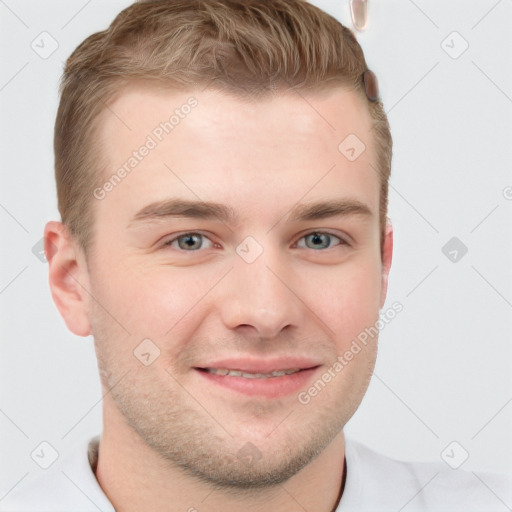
(259, 298)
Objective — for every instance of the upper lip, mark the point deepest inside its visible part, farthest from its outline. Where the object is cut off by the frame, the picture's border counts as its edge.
(262, 365)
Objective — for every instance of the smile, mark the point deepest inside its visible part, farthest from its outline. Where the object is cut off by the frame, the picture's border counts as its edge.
(271, 384)
(247, 375)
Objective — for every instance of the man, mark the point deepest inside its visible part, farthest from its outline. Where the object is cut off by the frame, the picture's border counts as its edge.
(222, 170)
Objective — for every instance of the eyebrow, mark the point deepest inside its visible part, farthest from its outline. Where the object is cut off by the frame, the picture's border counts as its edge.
(209, 210)
(184, 208)
(332, 208)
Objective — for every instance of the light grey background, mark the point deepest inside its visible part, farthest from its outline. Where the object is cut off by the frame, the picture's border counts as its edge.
(444, 367)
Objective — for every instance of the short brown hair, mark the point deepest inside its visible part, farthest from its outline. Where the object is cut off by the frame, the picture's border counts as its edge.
(248, 48)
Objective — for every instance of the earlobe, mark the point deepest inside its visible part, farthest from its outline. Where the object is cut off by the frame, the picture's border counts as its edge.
(387, 256)
(68, 277)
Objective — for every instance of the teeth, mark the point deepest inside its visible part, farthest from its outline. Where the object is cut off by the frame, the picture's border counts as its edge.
(239, 373)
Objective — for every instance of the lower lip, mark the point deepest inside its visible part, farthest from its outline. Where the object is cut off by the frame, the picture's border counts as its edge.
(272, 387)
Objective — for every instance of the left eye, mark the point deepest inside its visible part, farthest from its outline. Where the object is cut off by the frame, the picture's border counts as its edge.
(319, 240)
(189, 242)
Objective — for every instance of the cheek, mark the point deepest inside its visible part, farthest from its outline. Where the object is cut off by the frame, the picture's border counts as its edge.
(346, 299)
(152, 300)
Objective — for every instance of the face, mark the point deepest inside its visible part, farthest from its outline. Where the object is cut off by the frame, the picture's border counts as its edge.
(242, 239)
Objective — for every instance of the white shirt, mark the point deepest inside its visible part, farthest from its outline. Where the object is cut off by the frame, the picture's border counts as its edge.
(374, 483)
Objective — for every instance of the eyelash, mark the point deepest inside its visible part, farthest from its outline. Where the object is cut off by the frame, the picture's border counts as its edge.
(342, 242)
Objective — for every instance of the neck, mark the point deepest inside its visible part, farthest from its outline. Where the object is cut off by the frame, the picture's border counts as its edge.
(136, 478)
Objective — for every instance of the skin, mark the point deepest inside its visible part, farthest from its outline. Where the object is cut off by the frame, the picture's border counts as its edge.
(170, 439)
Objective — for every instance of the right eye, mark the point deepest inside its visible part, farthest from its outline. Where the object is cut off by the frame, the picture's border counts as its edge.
(188, 242)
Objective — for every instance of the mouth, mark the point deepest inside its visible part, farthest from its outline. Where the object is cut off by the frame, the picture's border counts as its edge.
(247, 375)
(273, 383)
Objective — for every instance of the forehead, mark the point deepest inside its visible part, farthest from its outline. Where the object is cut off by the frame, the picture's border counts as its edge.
(207, 145)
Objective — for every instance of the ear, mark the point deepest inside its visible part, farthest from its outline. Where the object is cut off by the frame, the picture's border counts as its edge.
(68, 277)
(387, 256)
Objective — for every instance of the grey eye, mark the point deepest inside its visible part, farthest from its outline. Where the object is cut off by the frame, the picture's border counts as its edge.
(319, 240)
(189, 242)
